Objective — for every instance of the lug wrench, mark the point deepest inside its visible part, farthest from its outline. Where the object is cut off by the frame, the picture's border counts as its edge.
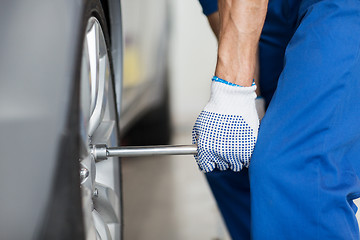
(102, 152)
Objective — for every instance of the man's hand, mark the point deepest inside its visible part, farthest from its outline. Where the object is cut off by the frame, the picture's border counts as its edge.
(226, 130)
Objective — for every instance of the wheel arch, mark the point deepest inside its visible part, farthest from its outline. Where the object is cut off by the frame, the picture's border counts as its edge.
(113, 13)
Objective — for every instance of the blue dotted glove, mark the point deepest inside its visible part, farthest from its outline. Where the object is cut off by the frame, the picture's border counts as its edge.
(226, 130)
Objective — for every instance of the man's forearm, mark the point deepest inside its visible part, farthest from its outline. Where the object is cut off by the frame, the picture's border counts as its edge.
(214, 22)
(241, 23)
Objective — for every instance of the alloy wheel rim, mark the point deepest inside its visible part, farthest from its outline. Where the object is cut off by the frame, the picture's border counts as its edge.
(100, 190)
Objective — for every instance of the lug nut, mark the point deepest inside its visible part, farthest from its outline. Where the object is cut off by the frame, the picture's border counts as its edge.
(84, 173)
(96, 192)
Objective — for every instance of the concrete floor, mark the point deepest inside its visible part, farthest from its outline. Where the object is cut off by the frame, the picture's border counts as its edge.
(168, 198)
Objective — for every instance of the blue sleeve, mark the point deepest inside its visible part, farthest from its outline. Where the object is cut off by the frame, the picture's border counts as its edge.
(209, 6)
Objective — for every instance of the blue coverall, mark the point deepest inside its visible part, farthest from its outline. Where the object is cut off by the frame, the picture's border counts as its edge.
(304, 172)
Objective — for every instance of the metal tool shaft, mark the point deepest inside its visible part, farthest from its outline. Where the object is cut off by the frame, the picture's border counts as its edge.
(102, 152)
(152, 151)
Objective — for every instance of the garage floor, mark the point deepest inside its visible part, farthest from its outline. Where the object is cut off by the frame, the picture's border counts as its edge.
(167, 198)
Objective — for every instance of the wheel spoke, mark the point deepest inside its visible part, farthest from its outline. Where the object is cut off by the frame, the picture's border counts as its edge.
(85, 95)
(101, 227)
(103, 132)
(101, 95)
(89, 164)
(90, 231)
(93, 49)
(107, 204)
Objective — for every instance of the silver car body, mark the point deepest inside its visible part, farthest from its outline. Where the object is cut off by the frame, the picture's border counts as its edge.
(40, 44)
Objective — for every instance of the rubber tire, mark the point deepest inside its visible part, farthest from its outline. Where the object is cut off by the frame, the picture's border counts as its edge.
(64, 217)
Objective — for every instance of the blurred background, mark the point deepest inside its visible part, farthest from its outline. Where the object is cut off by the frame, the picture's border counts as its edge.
(168, 197)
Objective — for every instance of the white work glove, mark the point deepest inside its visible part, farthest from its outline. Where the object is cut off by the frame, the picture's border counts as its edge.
(260, 107)
(226, 130)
